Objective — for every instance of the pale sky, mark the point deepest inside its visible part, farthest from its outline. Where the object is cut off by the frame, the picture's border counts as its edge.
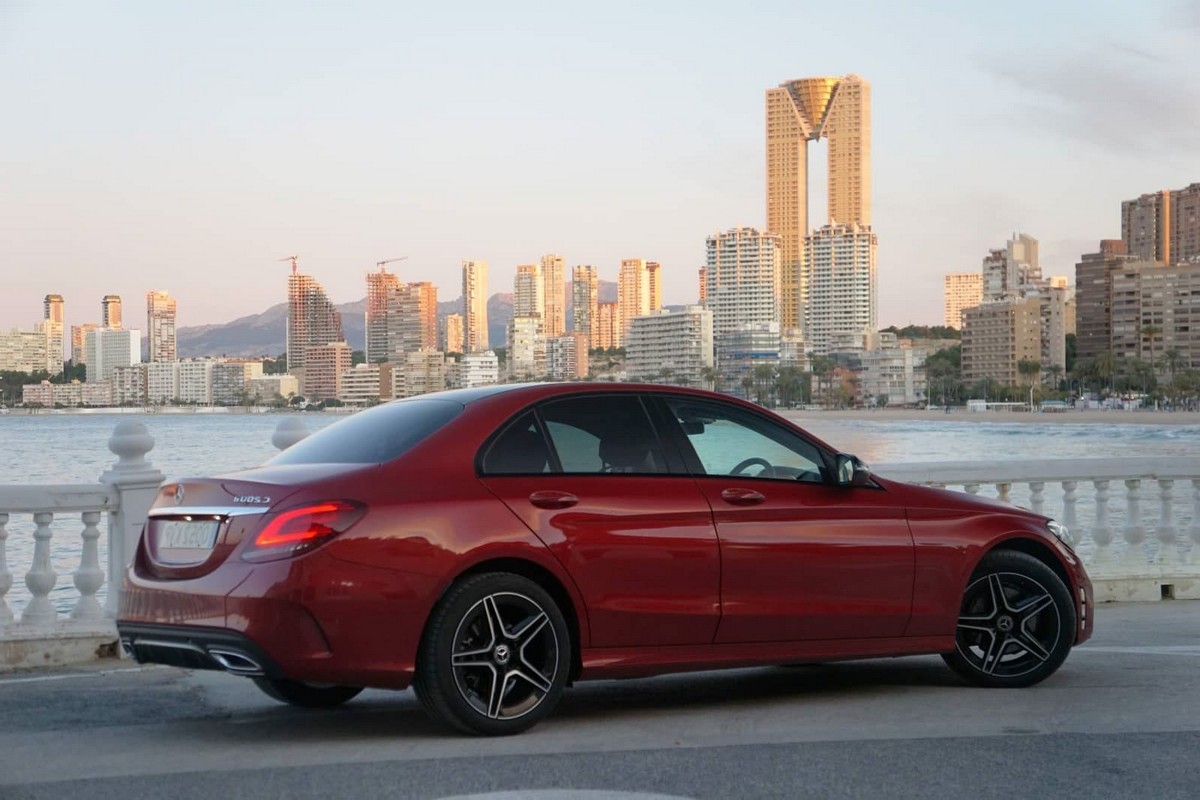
(189, 146)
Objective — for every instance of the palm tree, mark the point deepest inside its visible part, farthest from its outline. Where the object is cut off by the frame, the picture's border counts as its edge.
(1150, 332)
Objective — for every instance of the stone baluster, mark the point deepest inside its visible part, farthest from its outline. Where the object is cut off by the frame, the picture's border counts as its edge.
(40, 579)
(1002, 490)
(1070, 501)
(1102, 535)
(971, 488)
(6, 615)
(289, 431)
(1037, 497)
(1134, 534)
(89, 577)
(137, 483)
(1169, 547)
(1194, 530)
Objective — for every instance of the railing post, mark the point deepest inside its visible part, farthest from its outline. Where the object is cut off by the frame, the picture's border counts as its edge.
(1134, 556)
(1069, 517)
(1036, 496)
(89, 577)
(1194, 556)
(137, 482)
(6, 615)
(1002, 490)
(1165, 531)
(1102, 535)
(40, 579)
(289, 431)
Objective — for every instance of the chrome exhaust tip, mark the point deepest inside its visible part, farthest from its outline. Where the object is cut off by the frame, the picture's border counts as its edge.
(236, 662)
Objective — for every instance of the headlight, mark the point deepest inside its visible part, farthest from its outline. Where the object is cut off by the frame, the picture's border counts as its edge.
(1060, 532)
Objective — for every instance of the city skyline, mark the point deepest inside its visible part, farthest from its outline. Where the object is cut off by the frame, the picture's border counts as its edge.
(242, 157)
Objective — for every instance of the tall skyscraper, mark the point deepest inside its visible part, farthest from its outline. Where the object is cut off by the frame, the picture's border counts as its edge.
(742, 270)
(703, 284)
(529, 297)
(1185, 224)
(79, 342)
(108, 349)
(841, 264)
(1012, 271)
(475, 298)
(379, 286)
(54, 323)
(800, 111)
(653, 272)
(160, 326)
(313, 320)
(110, 312)
(411, 320)
(1163, 226)
(1093, 296)
(606, 330)
(633, 292)
(554, 294)
(961, 290)
(454, 334)
(585, 294)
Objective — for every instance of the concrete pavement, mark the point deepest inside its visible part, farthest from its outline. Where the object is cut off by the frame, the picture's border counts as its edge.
(1122, 718)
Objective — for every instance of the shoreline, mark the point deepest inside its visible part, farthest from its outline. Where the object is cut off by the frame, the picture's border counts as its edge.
(1068, 417)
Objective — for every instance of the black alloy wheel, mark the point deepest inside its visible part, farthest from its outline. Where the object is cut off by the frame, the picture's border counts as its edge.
(495, 656)
(1016, 624)
(306, 695)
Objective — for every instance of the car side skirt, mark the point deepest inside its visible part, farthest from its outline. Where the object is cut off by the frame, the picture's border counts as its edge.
(637, 662)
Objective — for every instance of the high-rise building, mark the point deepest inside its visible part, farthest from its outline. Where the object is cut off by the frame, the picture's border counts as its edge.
(1146, 226)
(1093, 297)
(678, 341)
(840, 261)
(743, 275)
(379, 287)
(554, 297)
(1185, 224)
(567, 357)
(960, 290)
(78, 341)
(24, 351)
(324, 365)
(475, 298)
(526, 348)
(160, 326)
(633, 292)
(108, 349)
(454, 334)
(54, 324)
(1013, 271)
(654, 277)
(110, 312)
(996, 337)
(585, 295)
(607, 331)
(800, 111)
(1154, 312)
(411, 320)
(703, 277)
(529, 297)
(313, 320)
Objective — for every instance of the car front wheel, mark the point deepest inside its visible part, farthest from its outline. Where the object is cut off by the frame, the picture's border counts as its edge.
(1016, 624)
(495, 656)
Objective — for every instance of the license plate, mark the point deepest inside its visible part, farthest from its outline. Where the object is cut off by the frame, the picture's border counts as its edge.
(187, 534)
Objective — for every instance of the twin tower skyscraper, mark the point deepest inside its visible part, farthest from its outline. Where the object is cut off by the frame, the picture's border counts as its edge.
(839, 111)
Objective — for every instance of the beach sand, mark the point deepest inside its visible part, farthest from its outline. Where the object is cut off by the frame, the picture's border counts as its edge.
(1091, 416)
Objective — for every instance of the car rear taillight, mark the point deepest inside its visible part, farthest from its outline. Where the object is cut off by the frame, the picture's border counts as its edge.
(302, 528)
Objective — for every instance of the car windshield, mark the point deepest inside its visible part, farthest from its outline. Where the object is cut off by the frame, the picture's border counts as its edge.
(372, 436)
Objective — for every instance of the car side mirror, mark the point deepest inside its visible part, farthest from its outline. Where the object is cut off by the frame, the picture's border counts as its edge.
(852, 472)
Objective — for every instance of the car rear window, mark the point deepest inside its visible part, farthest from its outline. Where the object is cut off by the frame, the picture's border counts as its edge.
(373, 436)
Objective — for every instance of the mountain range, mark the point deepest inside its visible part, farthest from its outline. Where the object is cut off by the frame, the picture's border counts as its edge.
(266, 333)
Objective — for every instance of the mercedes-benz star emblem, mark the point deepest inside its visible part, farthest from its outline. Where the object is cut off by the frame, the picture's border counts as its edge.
(179, 494)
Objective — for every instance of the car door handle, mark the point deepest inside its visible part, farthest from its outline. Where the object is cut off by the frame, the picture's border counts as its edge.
(552, 499)
(742, 497)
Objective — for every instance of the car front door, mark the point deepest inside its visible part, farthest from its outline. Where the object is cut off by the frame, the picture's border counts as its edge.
(802, 558)
(590, 476)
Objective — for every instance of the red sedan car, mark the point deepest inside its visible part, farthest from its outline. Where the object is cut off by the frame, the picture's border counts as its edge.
(490, 546)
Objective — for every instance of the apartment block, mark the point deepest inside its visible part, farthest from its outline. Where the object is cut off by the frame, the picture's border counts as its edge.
(411, 319)
(742, 269)
(607, 333)
(474, 369)
(681, 341)
(960, 290)
(554, 295)
(360, 385)
(529, 298)
(160, 326)
(324, 365)
(1155, 310)
(739, 352)
(585, 295)
(424, 371)
(893, 376)
(997, 336)
(567, 357)
(53, 324)
(196, 381)
(526, 348)
(162, 382)
(453, 341)
(1093, 296)
(109, 348)
(841, 283)
(267, 387)
(313, 320)
(79, 340)
(380, 287)
(475, 299)
(24, 351)
(633, 292)
(110, 312)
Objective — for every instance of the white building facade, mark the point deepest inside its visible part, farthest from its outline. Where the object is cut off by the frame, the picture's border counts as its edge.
(842, 286)
(742, 278)
(680, 342)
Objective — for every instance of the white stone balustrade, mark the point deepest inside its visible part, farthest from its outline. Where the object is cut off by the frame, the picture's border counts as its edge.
(1155, 556)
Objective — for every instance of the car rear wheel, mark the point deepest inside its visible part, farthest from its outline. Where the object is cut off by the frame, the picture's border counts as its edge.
(306, 695)
(1016, 624)
(495, 656)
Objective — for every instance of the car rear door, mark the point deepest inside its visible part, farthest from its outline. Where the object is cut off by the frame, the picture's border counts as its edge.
(802, 558)
(591, 477)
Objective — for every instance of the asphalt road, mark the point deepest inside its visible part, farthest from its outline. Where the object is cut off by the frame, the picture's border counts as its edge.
(1121, 719)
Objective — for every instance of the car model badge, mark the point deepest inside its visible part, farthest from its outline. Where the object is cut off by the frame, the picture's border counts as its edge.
(179, 494)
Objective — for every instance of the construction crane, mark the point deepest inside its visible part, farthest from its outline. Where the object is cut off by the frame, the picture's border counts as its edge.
(292, 259)
(385, 262)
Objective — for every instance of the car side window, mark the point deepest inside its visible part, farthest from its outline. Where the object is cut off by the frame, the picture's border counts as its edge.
(519, 450)
(603, 434)
(732, 441)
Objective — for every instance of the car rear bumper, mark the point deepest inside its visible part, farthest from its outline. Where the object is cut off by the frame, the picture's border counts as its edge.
(196, 648)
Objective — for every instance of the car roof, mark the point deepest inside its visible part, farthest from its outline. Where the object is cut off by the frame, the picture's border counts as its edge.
(466, 396)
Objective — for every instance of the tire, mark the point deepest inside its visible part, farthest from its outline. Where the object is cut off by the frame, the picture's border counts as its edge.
(306, 695)
(495, 656)
(1016, 624)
